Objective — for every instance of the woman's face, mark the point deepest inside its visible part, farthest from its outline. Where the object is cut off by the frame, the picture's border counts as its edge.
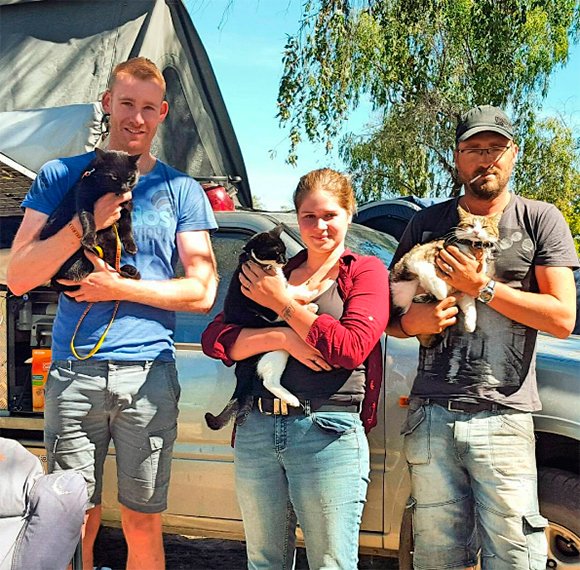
(323, 222)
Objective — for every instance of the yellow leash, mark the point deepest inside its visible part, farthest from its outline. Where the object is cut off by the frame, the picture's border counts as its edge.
(97, 346)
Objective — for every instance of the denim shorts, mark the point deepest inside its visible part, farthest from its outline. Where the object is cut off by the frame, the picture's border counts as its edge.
(134, 404)
(473, 489)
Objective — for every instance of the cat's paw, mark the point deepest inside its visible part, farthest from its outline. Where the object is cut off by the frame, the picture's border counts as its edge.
(312, 307)
(130, 272)
(131, 248)
(470, 324)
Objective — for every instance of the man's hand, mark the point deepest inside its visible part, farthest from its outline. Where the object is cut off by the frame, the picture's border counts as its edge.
(430, 318)
(461, 271)
(108, 209)
(103, 284)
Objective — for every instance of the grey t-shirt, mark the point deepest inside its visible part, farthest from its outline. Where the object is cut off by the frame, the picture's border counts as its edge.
(497, 361)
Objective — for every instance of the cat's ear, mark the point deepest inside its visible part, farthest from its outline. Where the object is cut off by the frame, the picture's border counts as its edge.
(495, 218)
(99, 153)
(277, 231)
(133, 158)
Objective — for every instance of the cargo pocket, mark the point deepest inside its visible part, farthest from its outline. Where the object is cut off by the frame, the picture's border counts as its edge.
(537, 544)
(415, 430)
(161, 447)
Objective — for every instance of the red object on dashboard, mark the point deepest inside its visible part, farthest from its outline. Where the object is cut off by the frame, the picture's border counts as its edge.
(218, 197)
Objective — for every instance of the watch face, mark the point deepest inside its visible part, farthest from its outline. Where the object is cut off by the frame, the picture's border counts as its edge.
(485, 296)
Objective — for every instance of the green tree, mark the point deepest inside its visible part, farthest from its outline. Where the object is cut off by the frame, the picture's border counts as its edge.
(421, 64)
(549, 170)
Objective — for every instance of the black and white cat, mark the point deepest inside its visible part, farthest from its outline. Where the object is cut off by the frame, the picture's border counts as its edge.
(418, 268)
(267, 249)
(110, 171)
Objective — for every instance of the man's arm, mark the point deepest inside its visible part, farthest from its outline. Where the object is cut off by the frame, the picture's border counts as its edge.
(33, 262)
(193, 293)
(552, 309)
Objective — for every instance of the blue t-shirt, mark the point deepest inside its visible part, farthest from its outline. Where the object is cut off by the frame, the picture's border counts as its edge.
(165, 201)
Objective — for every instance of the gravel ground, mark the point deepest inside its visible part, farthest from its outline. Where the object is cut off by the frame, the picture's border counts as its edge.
(194, 553)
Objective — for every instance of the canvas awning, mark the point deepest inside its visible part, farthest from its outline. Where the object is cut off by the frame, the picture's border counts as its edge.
(59, 53)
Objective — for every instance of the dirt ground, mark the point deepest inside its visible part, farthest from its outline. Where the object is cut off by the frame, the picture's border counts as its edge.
(193, 553)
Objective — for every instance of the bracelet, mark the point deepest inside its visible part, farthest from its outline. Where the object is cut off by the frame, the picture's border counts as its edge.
(287, 312)
(76, 232)
(402, 328)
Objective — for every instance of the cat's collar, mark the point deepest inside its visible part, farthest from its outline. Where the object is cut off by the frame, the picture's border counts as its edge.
(473, 244)
(265, 263)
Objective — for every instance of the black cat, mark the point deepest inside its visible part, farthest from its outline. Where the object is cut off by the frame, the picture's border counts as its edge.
(267, 249)
(110, 171)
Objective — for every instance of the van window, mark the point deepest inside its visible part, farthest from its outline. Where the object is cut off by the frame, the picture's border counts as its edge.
(227, 246)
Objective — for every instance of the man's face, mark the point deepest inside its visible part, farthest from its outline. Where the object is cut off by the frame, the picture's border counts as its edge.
(136, 109)
(494, 173)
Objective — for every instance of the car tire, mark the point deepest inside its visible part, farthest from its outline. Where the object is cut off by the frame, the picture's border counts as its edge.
(559, 493)
(406, 541)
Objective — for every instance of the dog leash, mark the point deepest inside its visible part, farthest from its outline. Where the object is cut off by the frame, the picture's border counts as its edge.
(99, 343)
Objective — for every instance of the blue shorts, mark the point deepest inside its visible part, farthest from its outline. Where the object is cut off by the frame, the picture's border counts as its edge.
(473, 486)
(134, 404)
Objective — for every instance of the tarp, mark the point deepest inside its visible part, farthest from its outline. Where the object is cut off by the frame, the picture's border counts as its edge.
(60, 53)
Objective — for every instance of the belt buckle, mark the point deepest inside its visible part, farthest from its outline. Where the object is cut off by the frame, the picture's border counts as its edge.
(451, 408)
(279, 407)
(262, 411)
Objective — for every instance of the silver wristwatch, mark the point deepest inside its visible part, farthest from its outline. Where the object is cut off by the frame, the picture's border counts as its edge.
(487, 293)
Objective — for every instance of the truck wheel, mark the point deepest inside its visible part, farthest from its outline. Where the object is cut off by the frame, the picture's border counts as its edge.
(559, 493)
(406, 542)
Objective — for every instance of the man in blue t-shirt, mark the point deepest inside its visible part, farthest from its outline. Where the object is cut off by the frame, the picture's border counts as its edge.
(469, 434)
(128, 391)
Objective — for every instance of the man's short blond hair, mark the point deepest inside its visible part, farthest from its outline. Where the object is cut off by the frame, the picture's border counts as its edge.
(139, 67)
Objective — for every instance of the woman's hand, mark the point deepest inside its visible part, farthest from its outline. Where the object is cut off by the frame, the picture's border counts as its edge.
(304, 353)
(264, 288)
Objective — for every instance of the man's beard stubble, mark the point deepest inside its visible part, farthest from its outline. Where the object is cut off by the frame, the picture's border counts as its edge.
(491, 189)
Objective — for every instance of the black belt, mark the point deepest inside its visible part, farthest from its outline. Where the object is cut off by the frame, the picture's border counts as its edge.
(277, 407)
(462, 406)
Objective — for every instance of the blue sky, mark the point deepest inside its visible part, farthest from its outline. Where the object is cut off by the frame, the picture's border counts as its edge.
(244, 40)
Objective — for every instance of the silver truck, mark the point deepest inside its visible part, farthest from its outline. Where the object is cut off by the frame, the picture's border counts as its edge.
(202, 497)
(54, 62)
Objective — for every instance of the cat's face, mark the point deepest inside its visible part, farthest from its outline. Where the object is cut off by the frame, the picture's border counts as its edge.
(481, 231)
(267, 248)
(115, 171)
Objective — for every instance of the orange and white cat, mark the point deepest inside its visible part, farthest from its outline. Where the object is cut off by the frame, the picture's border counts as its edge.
(474, 235)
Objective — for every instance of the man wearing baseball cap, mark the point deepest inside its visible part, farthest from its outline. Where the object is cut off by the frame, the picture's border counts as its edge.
(469, 437)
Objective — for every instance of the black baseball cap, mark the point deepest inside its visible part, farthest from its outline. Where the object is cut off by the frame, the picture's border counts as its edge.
(483, 118)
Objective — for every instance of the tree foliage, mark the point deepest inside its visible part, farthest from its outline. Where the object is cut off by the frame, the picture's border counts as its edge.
(549, 170)
(421, 64)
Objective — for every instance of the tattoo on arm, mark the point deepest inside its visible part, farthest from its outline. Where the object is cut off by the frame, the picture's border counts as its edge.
(287, 312)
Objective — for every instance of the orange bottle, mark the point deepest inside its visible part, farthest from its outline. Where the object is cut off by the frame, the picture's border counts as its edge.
(40, 367)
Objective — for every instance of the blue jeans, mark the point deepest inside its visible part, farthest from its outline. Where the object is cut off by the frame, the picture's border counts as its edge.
(88, 403)
(313, 469)
(474, 485)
